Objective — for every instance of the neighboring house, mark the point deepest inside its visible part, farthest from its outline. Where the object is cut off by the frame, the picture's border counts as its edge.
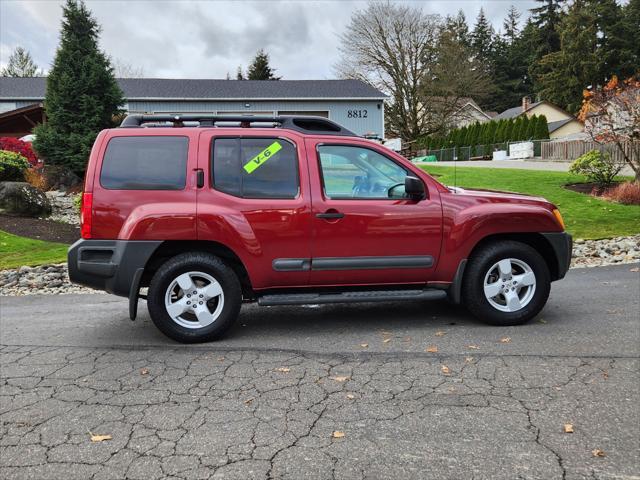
(469, 113)
(351, 103)
(19, 122)
(560, 123)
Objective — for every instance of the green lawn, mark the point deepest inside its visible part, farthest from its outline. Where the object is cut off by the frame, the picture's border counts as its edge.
(584, 216)
(17, 251)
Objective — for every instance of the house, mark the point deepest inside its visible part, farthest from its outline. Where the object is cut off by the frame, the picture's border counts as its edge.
(352, 103)
(559, 122)
(469, 113)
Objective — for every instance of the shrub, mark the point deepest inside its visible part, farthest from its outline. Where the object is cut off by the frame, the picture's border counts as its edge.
(12, 166)
(77, 201)
(598, 167)
(36, 178)
(11, 144)
(627, 193)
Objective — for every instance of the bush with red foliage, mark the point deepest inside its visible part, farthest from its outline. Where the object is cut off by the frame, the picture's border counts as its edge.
(12, 144)
(627, 193)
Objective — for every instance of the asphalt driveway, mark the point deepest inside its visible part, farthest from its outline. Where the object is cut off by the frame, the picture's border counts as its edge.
(399, 390)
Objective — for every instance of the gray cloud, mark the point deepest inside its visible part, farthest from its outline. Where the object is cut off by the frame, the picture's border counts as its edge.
(207, 39)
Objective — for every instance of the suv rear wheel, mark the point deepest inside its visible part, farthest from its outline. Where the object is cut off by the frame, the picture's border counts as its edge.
(194, 297)
(506, 283)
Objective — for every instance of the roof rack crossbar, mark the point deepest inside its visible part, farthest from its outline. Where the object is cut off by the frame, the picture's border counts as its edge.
(300, 123)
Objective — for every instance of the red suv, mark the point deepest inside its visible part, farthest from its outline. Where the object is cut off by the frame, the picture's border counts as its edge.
(206, 212)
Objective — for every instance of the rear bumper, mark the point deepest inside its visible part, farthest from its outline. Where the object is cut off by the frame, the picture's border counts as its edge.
(111, 265)
(562, 245)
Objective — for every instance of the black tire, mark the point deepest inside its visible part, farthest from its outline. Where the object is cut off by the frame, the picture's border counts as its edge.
(473, 295)
(189, 262)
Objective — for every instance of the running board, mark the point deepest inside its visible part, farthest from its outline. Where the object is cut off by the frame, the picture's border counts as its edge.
(350, 297)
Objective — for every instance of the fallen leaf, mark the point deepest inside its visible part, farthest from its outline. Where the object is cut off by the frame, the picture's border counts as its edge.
(144, 371)
(605, 374)
(473, 347)
(248, 401)
(386, 340)
(440, 333)
(542, 320)
(598, 453)
(505, 340)
(283, 369)
(406, 339)
(99, 438)
(445, 370)
(468, 359)
(364, 345)
(432, 349)
(568, 428)
(350, 396)
(340, 379)
(337, 434)
(635, 269)
(221, 359)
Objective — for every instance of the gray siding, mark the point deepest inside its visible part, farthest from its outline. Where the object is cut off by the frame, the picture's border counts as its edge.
(338, 110)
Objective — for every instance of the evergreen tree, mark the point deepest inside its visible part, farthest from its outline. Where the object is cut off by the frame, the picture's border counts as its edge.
(20, 65)
(542, 128)
(631, 18)
(615, 37)
(508, 130)
(458, 28)
(482, 39)
(564, 74)
(239, 75)
(510, 25)
(82, 95)
(532, 124)
(546, 19)
(260, 68)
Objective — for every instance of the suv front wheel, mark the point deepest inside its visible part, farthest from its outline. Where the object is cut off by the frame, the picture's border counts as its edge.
(194, 297)
(506, 283)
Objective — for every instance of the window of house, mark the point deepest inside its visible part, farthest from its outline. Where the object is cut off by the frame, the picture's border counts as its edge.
(255, 167)
(145, 163)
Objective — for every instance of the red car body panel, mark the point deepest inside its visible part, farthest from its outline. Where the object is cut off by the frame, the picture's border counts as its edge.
(446, 225)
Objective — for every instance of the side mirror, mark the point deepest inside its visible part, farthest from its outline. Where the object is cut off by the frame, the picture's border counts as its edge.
(414, 188)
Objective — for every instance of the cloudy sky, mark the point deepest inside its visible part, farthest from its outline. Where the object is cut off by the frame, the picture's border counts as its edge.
(208, 38)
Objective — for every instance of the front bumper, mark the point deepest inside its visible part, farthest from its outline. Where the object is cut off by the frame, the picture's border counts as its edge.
(111, 265)
(562, 245)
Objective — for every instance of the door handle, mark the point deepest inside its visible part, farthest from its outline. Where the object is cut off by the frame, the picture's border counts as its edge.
(199, 178)
(330, 215)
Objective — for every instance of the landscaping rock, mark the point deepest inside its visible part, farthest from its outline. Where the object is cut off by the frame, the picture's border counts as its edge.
(63, 208)
(60, 178)
(20, 198)
(612, 251)
(42, 280)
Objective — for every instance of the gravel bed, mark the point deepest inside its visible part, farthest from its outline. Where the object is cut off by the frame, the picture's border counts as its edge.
(50, 279)
(54, 279)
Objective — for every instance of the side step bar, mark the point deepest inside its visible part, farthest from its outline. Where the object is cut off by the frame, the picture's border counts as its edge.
(350, 297)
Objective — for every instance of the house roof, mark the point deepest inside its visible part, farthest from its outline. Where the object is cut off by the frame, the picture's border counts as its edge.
(553, 126)
(201, 89)
(514, 112)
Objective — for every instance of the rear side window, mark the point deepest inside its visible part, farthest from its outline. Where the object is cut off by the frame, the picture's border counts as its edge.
(145, 163)
(255, 167)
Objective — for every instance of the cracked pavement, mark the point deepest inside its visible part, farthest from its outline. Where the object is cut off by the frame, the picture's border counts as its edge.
(267, 401)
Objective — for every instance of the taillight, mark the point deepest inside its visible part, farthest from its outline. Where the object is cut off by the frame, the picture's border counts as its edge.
(85, 215)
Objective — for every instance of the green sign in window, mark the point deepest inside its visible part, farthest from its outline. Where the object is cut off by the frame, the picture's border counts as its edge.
(262, 157)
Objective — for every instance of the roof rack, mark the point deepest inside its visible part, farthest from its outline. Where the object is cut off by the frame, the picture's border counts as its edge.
(300, 123)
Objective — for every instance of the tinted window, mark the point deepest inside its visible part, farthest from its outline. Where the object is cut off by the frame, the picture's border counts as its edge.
(255, 167)
(145, 163)
(356, 172)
